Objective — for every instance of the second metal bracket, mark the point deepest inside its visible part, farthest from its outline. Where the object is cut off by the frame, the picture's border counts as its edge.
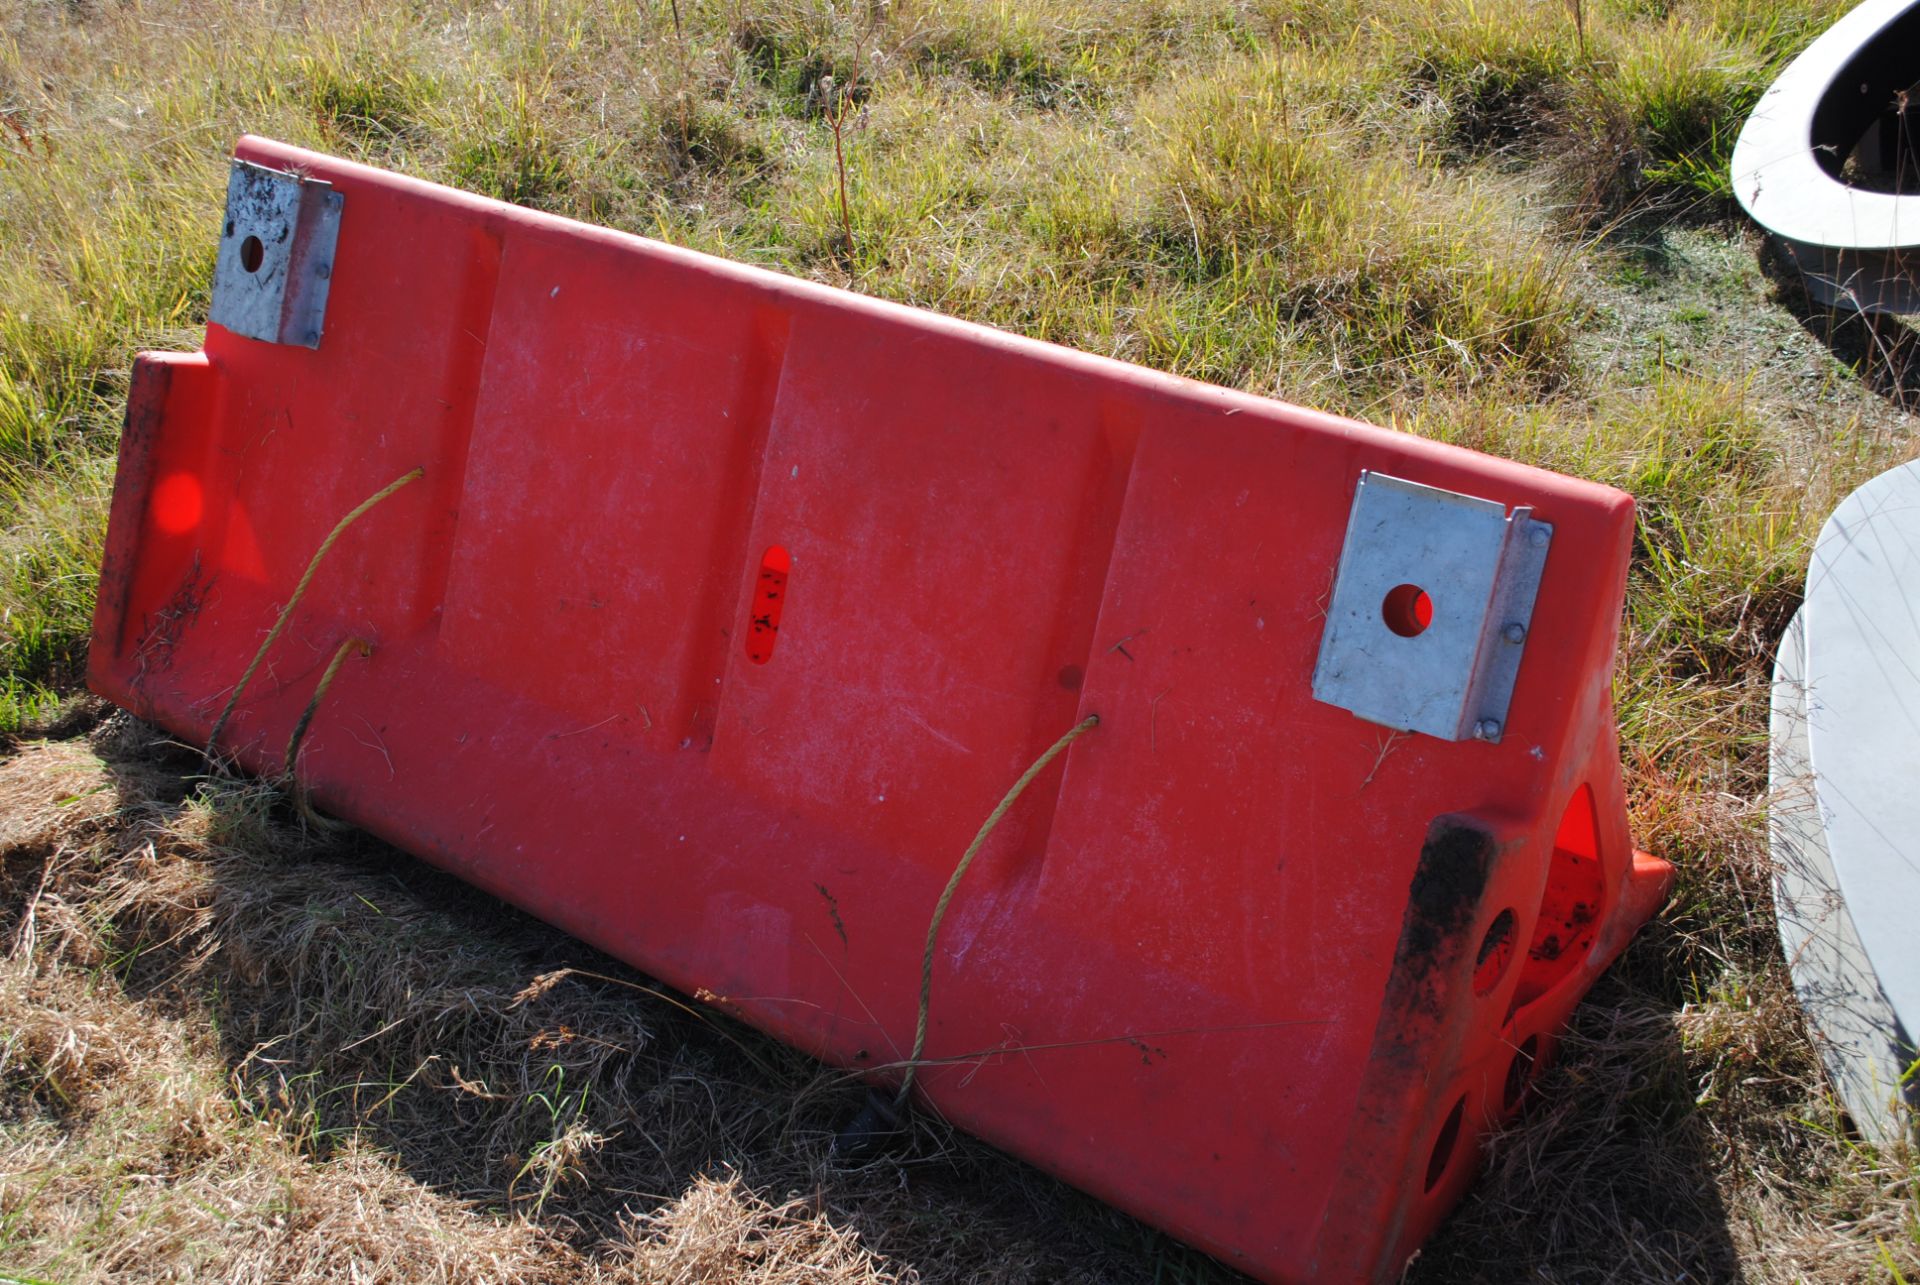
(1431, 608)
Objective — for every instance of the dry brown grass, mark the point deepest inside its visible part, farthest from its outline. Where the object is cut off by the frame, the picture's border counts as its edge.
(719, 1231)
(235, 1048)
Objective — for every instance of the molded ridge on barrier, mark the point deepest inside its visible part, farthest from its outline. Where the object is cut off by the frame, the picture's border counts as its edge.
(728, 606)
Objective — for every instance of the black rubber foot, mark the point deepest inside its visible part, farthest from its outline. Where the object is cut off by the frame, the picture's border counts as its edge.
(874, 1130)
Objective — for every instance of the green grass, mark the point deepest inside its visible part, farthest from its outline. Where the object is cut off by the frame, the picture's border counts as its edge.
(1502, 223)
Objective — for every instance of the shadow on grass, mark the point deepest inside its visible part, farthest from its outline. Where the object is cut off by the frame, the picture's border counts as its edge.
(358, 993)
(1884, 351)
(1607, 1176)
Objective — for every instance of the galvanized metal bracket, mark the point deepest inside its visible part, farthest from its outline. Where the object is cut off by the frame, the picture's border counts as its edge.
(276, 255)
(1430, 610)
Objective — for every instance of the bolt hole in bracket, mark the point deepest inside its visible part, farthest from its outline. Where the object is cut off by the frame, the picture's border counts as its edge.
(276, 255)
(1475, 570)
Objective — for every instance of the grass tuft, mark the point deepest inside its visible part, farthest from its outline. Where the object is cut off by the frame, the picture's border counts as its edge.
(368, 95)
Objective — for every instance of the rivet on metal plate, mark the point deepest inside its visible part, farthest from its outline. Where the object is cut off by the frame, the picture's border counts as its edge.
(1431, 608)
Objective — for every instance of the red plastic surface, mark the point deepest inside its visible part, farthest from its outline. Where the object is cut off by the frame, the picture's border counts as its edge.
(1223, 964)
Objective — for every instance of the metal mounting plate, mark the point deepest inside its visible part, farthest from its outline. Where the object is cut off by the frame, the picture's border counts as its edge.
(1430, 609)
(276, 255)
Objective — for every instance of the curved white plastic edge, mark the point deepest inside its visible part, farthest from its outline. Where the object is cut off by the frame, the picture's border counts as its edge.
(1858, 1032)
(1775, 174)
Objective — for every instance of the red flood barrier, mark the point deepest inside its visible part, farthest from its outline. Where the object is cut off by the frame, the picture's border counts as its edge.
(725, 608)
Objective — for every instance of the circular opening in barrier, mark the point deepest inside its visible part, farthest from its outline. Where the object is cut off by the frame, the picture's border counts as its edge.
(251, 253)
(1520, 1071)
(1496, 952)
(1407, 610)
(1443, 1145)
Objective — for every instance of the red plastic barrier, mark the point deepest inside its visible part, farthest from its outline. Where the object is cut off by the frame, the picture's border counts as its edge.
(729, 606)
